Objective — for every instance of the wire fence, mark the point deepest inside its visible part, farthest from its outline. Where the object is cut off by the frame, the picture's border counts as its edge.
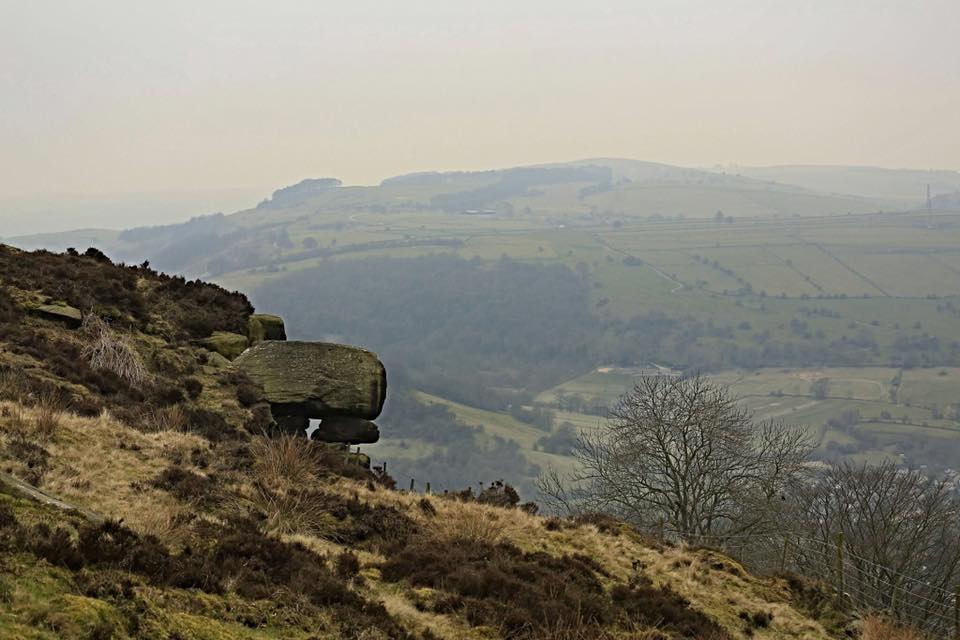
(858, 583)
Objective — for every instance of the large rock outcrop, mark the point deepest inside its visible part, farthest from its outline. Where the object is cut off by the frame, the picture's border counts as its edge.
(343, 386)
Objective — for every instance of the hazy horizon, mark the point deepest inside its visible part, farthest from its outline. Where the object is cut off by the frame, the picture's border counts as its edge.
(38, 214)
(106, 98)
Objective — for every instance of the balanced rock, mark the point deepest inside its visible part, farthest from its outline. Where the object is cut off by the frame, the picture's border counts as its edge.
(316, 379)
(262, 326)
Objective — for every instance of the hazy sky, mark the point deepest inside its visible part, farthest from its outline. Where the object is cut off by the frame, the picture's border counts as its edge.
(107, 96)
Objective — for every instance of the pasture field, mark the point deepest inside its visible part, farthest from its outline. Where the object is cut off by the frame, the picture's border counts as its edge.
(873, 279)
(772, 394)
(704, 201)
(822, 269)
(929, 387)
(919, 412)
(903, 274)
(889, 256)
(880, 279)
(493, 422)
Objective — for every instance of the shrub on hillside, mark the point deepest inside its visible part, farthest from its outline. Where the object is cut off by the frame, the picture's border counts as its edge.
(188, 486)
(105, 350)
(502, 586)
(234, 557)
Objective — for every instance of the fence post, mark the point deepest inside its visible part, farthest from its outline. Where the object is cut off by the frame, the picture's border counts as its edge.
(411, 485)
(956, 613)
(840, 587)
(663, 537)
(428, 488)
(783, 558)
(893, 600)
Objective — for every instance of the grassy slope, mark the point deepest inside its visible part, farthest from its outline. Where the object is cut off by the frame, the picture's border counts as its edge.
(43, 601)
(200, 490)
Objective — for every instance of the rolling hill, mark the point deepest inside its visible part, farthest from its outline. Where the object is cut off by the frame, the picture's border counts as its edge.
(488, 291)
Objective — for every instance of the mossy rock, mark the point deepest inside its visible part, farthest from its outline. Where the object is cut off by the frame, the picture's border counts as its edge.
(317, 379)
(79, 617)
(63, 313)
(217, 361)
(229, 345)
(359, 459)
(262, 326)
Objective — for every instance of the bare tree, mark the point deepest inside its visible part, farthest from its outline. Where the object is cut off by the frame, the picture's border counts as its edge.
(900, 532)
(682, 450)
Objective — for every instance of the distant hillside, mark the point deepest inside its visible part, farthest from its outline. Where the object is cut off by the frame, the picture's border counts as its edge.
(906, 188)
(601, 188)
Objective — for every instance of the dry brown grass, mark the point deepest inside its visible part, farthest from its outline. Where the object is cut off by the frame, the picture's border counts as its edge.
(287, 511)
(285, 461)
(47, 415)
(105, 349)
(465, 521)
(14, 420)
(10, 387)
(160, 419)
(284, 469)
(876, 627)
(102, 464)
(37, 423)
(165, 521)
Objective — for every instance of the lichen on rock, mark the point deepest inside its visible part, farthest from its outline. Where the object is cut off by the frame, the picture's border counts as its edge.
(317, 379)
(263, 326)
(229, 345)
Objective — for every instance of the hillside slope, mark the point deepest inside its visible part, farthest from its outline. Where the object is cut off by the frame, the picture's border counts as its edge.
(905, 188)
(179, 515)
(599, 189)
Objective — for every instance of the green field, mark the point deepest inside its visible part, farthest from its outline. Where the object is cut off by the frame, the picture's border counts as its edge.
(771, 394)
(746, 274)
(780, 394)
(870, 276)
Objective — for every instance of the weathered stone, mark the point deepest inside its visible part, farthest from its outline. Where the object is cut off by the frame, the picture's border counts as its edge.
(317, 379)
(262, 326)
(229, 345)
(217, 361)
(70, 316)
(359, 459)
(346, 429)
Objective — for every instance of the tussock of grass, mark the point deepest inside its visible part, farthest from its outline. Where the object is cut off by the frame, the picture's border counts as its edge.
(172, 418)
(105, 349)
(287, 511)
(876, 627)
(284, 461)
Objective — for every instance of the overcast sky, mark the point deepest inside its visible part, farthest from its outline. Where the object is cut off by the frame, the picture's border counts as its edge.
(123, 96)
